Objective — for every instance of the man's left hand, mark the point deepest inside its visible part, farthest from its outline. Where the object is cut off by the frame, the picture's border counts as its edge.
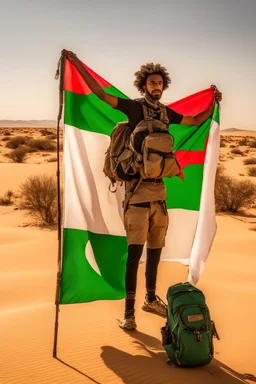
(217, 94)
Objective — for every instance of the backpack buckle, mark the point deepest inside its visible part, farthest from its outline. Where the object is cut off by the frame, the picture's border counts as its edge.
(199, 335)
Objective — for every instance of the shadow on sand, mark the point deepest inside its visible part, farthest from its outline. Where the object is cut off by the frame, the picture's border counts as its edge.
(136, 369)
(152, 368)
(241, 216)
(78, 371)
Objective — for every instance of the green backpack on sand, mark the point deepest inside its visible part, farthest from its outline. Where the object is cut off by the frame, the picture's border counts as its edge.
(188, 334)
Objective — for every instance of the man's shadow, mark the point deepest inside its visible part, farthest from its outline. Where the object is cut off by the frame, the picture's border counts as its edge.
(152, 368)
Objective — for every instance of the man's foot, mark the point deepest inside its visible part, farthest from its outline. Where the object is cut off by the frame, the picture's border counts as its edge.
(127, 323)
(157, 306)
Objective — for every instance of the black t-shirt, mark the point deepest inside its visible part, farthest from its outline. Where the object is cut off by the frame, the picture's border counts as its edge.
(134, 111)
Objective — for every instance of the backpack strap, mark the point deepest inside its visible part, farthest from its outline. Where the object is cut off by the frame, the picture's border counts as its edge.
(163, 114)
(129, 194)
(148, 116)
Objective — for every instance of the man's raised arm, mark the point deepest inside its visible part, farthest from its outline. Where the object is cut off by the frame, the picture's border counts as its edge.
(201, 117)
(91, 82)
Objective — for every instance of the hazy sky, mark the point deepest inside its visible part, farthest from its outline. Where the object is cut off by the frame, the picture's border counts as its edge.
(201, 42)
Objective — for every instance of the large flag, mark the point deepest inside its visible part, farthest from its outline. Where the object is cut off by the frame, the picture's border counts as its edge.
(94, 249)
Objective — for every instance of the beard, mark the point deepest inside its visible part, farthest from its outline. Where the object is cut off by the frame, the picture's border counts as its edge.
(153, 95)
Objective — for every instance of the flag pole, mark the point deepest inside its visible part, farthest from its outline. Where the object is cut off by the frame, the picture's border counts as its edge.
(59, 75)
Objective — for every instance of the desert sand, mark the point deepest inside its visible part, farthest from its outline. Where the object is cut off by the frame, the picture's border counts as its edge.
(91, 346)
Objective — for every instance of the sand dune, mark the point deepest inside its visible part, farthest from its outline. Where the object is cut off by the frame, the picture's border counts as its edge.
(91, 346)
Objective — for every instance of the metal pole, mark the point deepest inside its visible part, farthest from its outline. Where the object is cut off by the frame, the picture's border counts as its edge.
(60, 75)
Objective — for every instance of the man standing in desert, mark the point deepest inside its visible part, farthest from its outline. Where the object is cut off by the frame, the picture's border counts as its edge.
(146, 216)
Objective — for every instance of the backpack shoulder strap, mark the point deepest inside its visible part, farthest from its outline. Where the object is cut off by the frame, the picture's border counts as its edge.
(148, 117)
(131, 191)
(163, 115)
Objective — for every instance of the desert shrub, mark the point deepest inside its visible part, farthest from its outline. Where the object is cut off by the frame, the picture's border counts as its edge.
(18, 155)
(222, 144)
(52, 137)
(52, 159)
(236, 151)
(45, 132)
(252, 144)
(251, 170)
(231, 194)
(250, 160)
(7, 133)
(32, 149)
(39, 196)
(41, 144)
(232, 146)
(4, 201)
(243, 141)
(15, 142)
(6, 138)
(7, 198)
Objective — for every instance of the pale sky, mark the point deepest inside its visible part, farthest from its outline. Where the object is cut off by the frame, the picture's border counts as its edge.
(200, 42)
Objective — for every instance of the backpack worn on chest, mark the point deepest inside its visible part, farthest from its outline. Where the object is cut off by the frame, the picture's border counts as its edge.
(188, 334)
(152, 145)
(145, 152)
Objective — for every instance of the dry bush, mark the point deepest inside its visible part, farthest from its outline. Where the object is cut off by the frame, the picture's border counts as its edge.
(18, 155)
(7, 198)
(236, 151)
(52, 137)
(252, 144)
(232, 146)
(52, 159)
(39, 196)
(222, 144)
(41, 144)
(7, 133)
(232, 195)
(4, 201)
(31, 149)
(15, 142)
(251, 170)
(6, 138)
(45, 132)
(243, 141)
(250, 160)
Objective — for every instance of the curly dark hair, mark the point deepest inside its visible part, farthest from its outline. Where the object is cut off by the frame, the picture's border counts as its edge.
(147, 70)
